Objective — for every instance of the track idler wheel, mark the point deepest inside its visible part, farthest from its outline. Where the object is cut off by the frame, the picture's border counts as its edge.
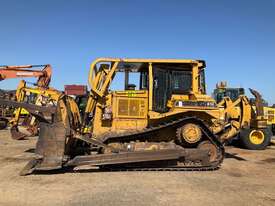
(207, 145)
(189, 134)
(16, 134)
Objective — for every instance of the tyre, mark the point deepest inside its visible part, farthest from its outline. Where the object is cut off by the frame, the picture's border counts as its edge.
(255, 139)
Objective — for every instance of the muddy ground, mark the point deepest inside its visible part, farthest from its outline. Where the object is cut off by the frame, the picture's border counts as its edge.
(245, 178)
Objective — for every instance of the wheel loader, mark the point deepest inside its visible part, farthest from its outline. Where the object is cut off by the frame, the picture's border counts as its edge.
(162, 119)
(248, 137)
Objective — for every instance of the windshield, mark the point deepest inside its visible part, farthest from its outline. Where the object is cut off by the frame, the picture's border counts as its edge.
(181, 81)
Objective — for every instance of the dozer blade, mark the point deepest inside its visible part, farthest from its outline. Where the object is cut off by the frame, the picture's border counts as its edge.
(16, 134)
(50, 148)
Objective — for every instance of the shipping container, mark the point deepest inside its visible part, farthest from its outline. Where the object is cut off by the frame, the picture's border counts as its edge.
(75, 89)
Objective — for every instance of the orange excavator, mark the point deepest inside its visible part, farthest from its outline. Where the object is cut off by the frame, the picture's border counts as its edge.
(23, 71)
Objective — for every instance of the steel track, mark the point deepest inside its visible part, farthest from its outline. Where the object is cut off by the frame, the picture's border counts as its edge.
(146, 135)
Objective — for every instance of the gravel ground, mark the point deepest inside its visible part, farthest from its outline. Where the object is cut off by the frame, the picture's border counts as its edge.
(245, 178)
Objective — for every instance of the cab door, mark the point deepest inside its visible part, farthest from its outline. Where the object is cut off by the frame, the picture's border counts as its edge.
(161, 91)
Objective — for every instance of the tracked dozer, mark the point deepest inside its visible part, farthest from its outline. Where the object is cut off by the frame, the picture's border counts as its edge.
(162, 119)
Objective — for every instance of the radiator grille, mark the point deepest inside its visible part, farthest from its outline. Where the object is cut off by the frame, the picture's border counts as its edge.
(123, 107)
(131, 107)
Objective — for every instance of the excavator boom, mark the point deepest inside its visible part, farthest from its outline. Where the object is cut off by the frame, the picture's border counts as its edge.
(23, 71)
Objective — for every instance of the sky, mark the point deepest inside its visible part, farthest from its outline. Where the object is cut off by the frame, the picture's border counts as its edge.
(235, 38)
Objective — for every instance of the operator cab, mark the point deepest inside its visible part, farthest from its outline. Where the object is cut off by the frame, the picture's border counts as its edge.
(134, 91)
(171, 79)
(168, 78)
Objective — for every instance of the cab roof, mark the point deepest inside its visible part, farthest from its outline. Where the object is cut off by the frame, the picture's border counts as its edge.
(138, 63)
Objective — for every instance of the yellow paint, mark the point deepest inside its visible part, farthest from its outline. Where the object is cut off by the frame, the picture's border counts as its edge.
(269, 113)
(195, 79)
(256, 137)
(133, 110)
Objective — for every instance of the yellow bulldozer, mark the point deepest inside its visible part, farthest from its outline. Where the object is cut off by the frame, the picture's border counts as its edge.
(162, 119)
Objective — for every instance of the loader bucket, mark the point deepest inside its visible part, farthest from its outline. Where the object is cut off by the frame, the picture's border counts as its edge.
(16, 134)
(50, 148)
